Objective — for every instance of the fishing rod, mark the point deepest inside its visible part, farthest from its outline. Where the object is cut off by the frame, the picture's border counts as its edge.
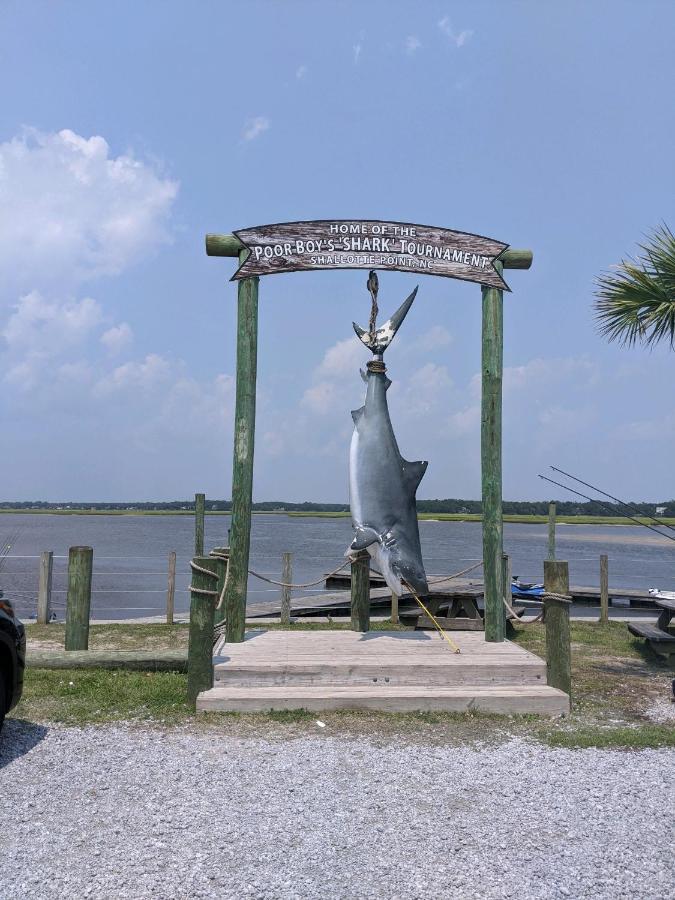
(605, 506)
(7, 545)
(611, 497)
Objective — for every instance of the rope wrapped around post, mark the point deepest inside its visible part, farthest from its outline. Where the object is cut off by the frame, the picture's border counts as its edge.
(202, 615)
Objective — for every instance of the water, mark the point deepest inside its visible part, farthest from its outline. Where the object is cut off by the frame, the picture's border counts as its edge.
(131, 555)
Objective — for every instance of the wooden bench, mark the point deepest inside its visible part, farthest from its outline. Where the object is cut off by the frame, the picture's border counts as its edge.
(667, 608)
(661, 641)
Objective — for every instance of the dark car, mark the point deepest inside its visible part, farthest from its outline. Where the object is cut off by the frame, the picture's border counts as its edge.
(12, 658)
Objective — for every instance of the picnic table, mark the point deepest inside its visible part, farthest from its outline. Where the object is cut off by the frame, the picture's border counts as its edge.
(661, 640)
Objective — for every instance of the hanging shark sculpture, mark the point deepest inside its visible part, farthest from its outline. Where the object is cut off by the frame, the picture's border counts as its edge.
(382, 484)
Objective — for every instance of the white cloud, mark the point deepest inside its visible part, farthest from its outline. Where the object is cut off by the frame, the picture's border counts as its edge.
(321, 398)
(254, 127)
(458, 38)
(118, 337)
(300, 72)
(464, 422)
(436, 337)
(42, 326)
(70, 211)
(152, 372)
(342, 359)
(39, 331)
(540, 371)
(356, 49)
(426, 387)
(412, 44)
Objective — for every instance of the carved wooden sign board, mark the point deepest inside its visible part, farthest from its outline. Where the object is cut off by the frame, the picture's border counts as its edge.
(369, 244)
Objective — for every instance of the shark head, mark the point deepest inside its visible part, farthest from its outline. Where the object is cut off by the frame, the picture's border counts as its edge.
(400, 563)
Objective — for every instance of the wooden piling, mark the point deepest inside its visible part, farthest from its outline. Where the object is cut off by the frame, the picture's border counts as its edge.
(78, 600)
(202, 619)
(604, 589)
(242, 468)
(557, 619)
(556, 576)
(45, 587)
(551, 529)
(394, 608)
(287, 578)
(361, 591)
(491, 459)
(171, 588)
(200, 500)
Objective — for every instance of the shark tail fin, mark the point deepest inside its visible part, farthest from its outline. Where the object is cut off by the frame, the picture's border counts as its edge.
(378, 342)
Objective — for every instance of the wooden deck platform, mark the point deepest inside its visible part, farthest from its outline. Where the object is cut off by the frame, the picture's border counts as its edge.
(338, 602)
(396, 671)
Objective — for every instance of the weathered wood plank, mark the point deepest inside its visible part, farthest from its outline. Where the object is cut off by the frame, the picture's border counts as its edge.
(365, 244)
(360, 594)
(230, 245)
(551, 529)
(145, 660)
(604, 589)
(200, 502)
(171, 588)
(287, 579)
(455, 623)
(45, 587)
(78, 600)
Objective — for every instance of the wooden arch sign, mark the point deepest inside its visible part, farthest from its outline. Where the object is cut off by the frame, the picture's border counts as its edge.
(370, 244)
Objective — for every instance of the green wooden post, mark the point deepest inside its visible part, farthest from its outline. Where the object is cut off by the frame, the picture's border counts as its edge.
(361, 591)
(551, 529)
(604, 589)
(202, 618)
(557, 619)
(78, 601)
(491, 459)
(171, 588)
(200, 500)
(45, 587)
(287, 578)
(242, 469)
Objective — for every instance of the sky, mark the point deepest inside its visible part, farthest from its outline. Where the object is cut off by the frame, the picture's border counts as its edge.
(130, 130)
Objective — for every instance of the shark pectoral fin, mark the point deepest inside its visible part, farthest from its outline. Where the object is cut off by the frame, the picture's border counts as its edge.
(387, 383)
(363, 375)
(357, 413)
(364, 538)
(413, 472)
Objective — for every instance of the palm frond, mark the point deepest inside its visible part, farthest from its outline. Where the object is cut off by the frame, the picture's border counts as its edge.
(637, 302)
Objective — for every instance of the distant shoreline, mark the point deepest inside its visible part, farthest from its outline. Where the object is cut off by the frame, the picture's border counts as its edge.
(511, 518)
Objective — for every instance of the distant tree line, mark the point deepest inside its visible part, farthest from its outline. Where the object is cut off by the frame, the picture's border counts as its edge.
(511, 507)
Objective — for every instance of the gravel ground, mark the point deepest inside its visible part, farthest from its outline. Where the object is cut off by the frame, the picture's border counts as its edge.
(120, 812)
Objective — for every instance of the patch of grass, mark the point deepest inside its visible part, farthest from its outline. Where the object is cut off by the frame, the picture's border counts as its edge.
(587, 638)
(636, 737)
(87, 696)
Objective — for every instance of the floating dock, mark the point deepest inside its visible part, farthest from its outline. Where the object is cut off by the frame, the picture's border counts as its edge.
(396, 671)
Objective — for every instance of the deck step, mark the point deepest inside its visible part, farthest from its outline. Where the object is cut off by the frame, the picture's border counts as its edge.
(447, 671)
(505, 699)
